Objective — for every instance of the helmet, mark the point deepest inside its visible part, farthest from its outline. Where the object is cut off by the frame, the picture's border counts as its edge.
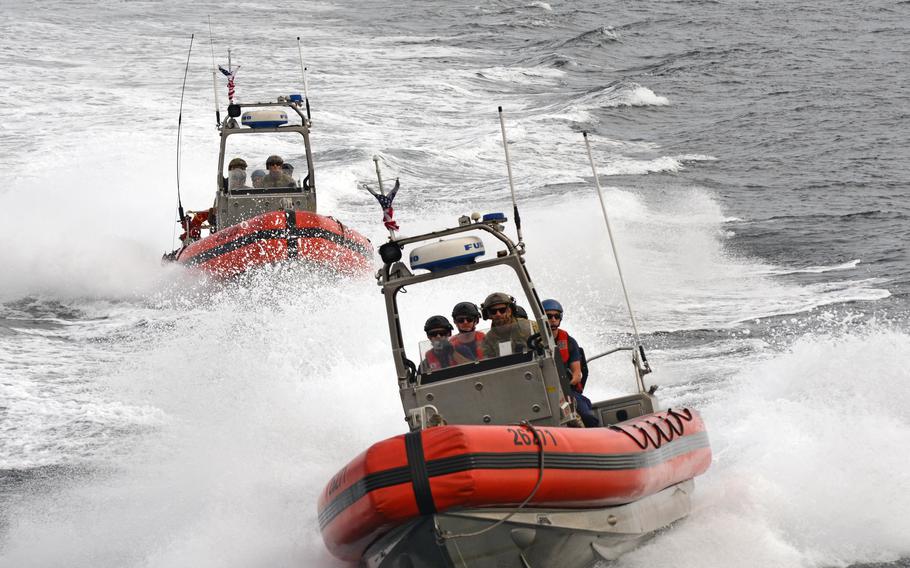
(468, 309)
(437, 322)
(496, 298)
(551, 306)
(237, 163)
(257, 174)
(520, 312)
(273, 160)
(287, 167)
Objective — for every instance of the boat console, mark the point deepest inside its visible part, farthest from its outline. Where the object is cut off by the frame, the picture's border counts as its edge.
(523, 381)
(285, 129)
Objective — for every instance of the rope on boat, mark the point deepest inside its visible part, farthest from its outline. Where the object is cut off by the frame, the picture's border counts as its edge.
(442, 537)
(676, 429)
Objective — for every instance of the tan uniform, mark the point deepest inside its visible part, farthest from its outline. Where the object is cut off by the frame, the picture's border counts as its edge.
(517, 333)
(281, 180)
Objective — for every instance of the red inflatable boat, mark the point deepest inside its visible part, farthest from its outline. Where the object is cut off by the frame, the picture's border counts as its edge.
(280, 236)
(464, 467)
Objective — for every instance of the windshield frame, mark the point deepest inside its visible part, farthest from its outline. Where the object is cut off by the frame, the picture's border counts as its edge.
(393, 283)
(230, 127)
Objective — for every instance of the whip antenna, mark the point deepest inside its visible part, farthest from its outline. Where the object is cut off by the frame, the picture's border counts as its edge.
(505, 146)
(306, 95)
(622, 282)
(214, 81)
(179, 125)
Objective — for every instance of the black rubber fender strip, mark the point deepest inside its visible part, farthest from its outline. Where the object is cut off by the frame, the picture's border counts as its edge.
(293, 239)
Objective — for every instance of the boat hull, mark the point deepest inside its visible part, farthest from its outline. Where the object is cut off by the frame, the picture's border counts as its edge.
(530, 537)
(279, 236)
(466, 468)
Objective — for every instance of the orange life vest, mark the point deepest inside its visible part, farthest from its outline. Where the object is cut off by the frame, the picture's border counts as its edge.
(433, 362)
(562, 343)
(193, 225)
(457, 341)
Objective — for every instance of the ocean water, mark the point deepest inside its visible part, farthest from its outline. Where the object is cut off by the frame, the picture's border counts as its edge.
(754, 159)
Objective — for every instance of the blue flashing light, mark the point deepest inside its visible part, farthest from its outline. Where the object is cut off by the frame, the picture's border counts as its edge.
(497, 217)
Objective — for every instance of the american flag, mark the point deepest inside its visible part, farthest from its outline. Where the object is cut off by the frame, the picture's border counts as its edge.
(385, 201)
(230, 76)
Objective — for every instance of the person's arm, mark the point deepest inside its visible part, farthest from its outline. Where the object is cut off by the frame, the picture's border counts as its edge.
(574, 362)
(575, 367)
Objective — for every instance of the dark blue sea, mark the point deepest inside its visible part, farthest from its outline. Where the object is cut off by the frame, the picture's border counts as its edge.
(754, 159)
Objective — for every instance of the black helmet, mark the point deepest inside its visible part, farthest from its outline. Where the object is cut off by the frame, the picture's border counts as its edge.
(437, 322)
(520, 312)
(466, 309)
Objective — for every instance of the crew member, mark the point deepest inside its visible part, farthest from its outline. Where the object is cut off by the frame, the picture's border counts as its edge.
(256, 177)
(288, 169)
(237, 174)
(276, 176)
(468, 340)
(443, 354)
(571, 357)
(506, 328)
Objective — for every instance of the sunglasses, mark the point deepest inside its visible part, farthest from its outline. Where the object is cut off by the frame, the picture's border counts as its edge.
(556, 316)
(464, 320)
(498, 311)
(438, 333)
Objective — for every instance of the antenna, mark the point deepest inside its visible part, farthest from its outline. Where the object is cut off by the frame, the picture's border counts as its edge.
(505, 146)
(306, 95)
(214, 81)
(183, 222)
(603, 207)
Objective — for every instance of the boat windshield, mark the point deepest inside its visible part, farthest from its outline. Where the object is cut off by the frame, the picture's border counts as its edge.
(464, 334)
(449, 350)
(260, 176)
(264, 161)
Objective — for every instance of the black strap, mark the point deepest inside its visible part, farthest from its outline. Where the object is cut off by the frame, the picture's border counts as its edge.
(420, 479)
(292, 239)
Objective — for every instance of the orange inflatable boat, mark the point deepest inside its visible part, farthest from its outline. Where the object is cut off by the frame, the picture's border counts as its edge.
(279, 236)
(477, 466)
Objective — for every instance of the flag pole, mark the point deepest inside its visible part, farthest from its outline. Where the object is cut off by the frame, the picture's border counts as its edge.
(382, 191)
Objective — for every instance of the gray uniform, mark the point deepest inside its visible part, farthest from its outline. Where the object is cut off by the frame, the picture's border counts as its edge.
(281, 180)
